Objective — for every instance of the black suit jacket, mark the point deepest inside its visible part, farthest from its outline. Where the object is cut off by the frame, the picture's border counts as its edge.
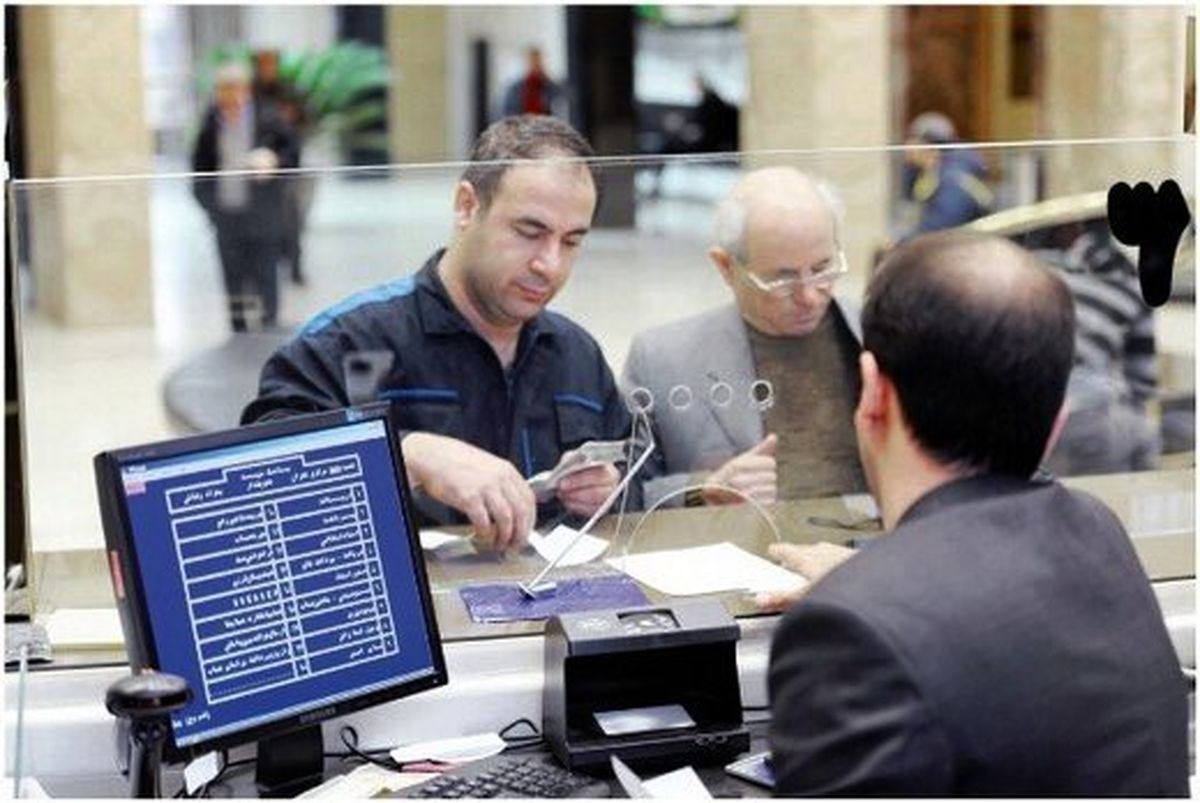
(1002, 640)
(264, 209)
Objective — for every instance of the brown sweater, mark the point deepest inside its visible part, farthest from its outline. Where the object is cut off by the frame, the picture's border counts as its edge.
(816, 385)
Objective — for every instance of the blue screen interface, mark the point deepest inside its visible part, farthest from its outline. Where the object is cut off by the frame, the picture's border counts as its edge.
(278, 575)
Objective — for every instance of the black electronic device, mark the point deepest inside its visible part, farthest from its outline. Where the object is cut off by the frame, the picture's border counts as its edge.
(654, 685)
(276, 569)
(146, 700)
(510, 777)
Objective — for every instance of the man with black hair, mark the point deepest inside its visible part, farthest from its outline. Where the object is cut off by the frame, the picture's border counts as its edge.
(1002, 638)
(487, 386)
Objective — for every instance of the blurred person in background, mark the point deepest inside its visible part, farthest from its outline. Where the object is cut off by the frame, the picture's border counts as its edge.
(947, 184)
(535, 92)
(271, 91)
(1114, 376)
(715, 120)
(246, 208)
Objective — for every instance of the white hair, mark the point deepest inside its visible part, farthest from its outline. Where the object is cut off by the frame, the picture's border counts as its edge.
(232, 72)
(729, 223)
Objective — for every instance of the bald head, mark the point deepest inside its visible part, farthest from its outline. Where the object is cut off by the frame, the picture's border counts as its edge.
(773, 198)
(978, 338)
(778, 230)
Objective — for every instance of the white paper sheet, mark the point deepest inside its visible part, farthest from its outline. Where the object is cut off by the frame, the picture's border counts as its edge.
(707, 570)
(365, 782)
(30, 788)
(435, 539)
(1161, 514)
(84, 628)
(455, 750)
(200, 771)
(861, 503)
(585, 550)
(681, 784)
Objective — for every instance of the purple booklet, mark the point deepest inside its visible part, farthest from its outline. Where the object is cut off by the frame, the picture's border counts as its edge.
(504, 602)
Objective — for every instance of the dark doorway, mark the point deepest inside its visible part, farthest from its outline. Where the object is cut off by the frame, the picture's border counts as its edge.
(366, 24)
(600, 80)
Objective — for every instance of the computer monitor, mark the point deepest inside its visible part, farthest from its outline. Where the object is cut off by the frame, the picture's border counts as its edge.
(277, 569)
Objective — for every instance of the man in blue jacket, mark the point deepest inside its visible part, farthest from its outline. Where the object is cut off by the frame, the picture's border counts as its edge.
(947, 183)
(487, 387)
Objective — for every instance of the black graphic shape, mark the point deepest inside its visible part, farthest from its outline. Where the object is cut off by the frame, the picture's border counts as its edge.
(1153, 222)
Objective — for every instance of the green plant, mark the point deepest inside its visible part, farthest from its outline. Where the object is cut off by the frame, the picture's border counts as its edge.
(339, 88)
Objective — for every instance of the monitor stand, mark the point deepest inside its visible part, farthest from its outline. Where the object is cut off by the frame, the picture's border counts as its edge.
(290, 763)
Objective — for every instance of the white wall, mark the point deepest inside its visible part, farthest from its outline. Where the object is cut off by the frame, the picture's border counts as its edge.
(509, 31)
(667, 59)
(289, 27)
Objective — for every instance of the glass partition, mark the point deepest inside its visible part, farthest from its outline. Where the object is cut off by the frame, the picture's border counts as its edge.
(725, 329)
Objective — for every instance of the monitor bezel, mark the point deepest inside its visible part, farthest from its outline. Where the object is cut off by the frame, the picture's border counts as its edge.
(134, 613)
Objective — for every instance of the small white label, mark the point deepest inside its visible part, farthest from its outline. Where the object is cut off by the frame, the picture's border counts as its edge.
(200, 771)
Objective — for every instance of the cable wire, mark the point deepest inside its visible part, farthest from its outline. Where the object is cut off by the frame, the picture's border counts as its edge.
(758, 506)
(349, 737)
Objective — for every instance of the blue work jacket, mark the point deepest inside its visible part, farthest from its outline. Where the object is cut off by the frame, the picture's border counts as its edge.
(444, 378)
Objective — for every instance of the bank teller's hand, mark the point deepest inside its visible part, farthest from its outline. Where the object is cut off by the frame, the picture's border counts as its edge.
(583, 492)
(810, 561)
(753, 472)
(486, 489)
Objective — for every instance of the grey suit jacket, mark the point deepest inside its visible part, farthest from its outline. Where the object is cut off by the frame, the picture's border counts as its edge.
(700, 372)
(1001, 640)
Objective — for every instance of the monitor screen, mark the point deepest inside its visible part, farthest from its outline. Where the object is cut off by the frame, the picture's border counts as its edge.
(275, 568)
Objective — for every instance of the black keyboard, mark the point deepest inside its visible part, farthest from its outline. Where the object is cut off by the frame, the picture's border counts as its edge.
(510, 777)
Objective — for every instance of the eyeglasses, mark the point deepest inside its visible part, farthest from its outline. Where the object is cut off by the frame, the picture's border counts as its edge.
(786, 280)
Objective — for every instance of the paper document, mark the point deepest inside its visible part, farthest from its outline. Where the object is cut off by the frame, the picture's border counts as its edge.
(435, 539)
(1161, 514)
(453, 751)
(707, 570)
(861, 503)
(200, 771)
(551, 545)
(30, 788)
(681, 784)
(365, 781)
(639, 720)
(84, 627)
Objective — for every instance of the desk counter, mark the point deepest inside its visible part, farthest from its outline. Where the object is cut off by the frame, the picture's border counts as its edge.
(1156, 507)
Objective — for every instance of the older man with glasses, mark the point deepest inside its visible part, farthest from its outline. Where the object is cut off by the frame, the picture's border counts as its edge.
(758, 396)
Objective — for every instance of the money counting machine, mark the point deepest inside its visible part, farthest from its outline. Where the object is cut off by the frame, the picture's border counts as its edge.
(654, 685)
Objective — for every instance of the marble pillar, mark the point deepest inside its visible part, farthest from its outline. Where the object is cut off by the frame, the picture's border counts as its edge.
(83, 92)
(819, 80)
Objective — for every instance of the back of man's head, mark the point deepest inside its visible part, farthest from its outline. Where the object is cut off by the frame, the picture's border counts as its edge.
(522, 137)
(978, 339)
